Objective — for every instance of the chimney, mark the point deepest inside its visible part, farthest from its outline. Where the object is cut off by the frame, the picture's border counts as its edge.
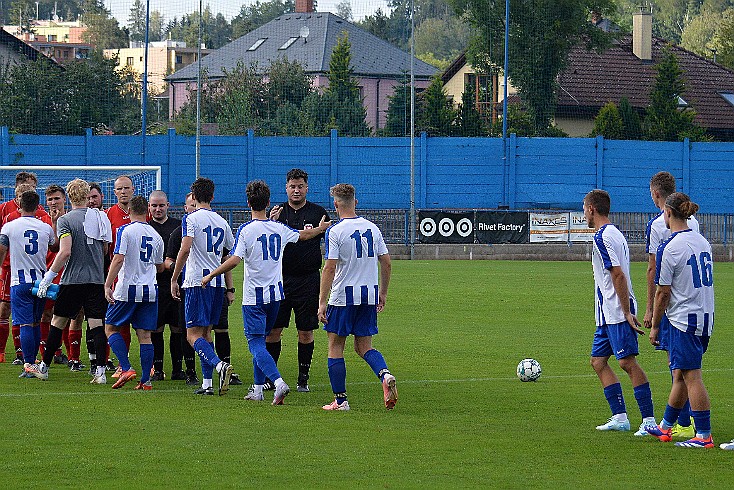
(304, 6)
(642, 35)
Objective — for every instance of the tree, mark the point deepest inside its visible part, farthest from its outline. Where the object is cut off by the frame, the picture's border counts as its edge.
(541, 36)
(258, 14)
(436, 114)
(22, 12)
(103, 31)
(344, 10)
(699, 33)
(397, 122)
(156, 26)
(468, 120)
(664, 121)
(725, 42)
(136, 21)
(444, 38)
(287, 83)
(608, 122)
(631, 124)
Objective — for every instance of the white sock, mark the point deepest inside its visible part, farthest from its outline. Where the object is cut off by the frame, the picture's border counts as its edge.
(258, 389)
(278, 382)
(100, 371)
(207, 383)
(220, 366)
(649, 421)
(621, 417)
(43, 367)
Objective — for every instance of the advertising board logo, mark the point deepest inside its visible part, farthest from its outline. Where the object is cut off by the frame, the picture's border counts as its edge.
(446, 227)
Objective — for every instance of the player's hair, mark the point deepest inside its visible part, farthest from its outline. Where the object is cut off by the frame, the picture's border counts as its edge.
(123, 176)
(599, 200)
(53, 188)
(343, 192)
(664, 183)
(29, 201)
(681, 205)
(138, 206)
(296, 173)
(96, 186)
(258, 195)
(78, 192)
(203, 190)
(23, 177)
(21, 188)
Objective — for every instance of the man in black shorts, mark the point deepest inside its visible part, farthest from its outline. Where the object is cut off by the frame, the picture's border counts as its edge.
(167, 306)
(301, 265)
(83, 237)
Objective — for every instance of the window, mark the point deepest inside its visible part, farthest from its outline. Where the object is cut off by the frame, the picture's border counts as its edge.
(288, 43)
(728, 96)
(682, 104)
(66, 54)
(130, 61)
(179, 59)
(257, 44)
(52, 38)
(141, 58)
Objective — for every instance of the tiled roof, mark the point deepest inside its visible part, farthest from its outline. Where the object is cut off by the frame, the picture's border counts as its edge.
(16, 44)
(371, 56)
(592, 79)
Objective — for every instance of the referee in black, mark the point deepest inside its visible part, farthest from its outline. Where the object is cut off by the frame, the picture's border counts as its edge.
(301, 278)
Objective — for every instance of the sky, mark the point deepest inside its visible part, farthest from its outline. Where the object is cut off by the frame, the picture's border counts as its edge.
(230, 8)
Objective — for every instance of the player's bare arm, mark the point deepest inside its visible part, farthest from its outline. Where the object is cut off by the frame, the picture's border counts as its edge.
(59, 262)
(181, 258)
(385, 272)
(662, 299)
(109, 283)
(619, 280)
(327, 279)
(229, 264)
(228, 282)
(4, 246)
(647, 321)
(314, 232)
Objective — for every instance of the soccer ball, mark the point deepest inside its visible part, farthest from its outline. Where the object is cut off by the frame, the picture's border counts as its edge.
(528, 370)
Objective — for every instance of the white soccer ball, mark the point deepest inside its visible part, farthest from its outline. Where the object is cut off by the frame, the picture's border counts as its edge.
(528, 370)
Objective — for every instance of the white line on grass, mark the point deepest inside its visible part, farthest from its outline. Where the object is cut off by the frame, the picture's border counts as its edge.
(356, 383)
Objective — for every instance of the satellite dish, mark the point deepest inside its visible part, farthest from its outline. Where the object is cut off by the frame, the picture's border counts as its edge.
(305, 31)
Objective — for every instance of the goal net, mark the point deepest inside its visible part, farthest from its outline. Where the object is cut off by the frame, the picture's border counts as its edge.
(145, 178)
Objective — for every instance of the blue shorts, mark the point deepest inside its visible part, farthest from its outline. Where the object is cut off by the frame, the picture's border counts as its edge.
(615, 338)
(259, 319)
(202, 306)
(142, 315)
(27, 308)
(357, 320)
(686, 349)
(664, 333)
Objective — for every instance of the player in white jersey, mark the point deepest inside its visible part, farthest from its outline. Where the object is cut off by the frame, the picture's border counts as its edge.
(205, 235)
(30, 239)
(133, 299)
(685, 299)
(260, 243)
(355, 293)
(616, 324)
(662, 184)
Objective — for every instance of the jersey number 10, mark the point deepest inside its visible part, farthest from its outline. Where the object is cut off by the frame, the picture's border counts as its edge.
(705, 275)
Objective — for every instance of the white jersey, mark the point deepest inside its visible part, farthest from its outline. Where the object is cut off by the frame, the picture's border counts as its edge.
(685, 263)
(142, 247)
(610, 250)
(355, 243)
(29, 240)
(657, 232)
(211, 234)
(260, 243)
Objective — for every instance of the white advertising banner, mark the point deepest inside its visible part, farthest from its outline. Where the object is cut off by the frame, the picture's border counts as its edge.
(579, 230)
(548, 227)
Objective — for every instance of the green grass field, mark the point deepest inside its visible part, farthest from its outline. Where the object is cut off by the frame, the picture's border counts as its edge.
(453, 333)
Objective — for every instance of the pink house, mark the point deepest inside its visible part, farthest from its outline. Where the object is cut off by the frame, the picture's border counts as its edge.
(309, 37)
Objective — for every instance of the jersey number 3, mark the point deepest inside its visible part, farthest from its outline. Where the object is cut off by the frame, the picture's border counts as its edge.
(32, 247)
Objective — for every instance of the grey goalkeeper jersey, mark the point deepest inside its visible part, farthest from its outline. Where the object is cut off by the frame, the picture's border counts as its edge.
(86, 262)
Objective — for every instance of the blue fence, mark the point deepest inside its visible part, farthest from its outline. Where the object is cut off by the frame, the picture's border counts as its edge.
(538, 173)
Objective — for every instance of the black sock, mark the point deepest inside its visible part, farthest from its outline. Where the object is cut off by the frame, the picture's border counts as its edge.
(223, 346)
(53, 342)
(157, 340)
(274, 349)
(89, 340)
(188, 355)
(100, 343)
(305, 355)
(174, 345)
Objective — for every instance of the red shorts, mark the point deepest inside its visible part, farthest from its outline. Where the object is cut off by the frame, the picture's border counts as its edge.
(5, 284)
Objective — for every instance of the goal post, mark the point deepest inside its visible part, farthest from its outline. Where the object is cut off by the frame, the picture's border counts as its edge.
(145, 178)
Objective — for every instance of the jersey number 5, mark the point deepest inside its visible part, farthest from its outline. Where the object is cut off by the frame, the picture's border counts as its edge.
(705, 275)
(146, 249)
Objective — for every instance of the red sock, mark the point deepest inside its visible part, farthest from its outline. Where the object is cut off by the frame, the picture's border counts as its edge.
(45, 327)
(4, 332)
(65, 341)
(125, 332)
(16, 341)
(75, 344)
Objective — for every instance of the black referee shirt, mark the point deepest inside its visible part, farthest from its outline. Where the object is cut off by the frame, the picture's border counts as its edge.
(304, 256)
(165, 230)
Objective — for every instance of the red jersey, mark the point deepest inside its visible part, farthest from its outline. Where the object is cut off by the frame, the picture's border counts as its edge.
(118, 217)
(15, 214)
(7, 208)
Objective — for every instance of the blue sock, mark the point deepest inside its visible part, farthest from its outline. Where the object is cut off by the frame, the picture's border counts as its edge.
(643, 395)
(376, 362)
(684, 419)
(146, 361)
(261, 358)
(27, 342)
(36, 338)
(671, 415)
(206, 354)
(258, 374)
(613, 394)
(117, 344)
(338, 378)
(702, 419)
